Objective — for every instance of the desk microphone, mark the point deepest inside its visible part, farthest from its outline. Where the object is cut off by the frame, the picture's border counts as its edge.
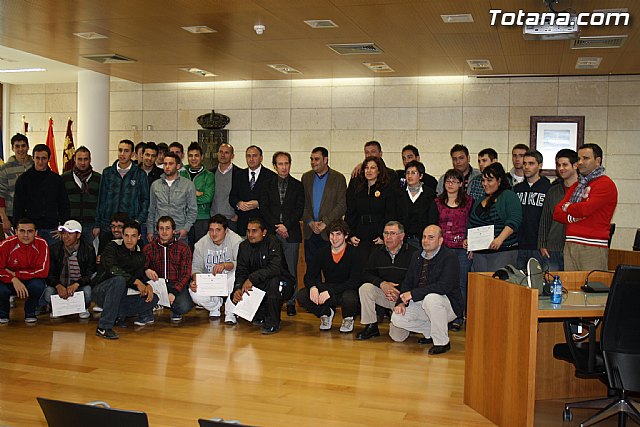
(595, 287)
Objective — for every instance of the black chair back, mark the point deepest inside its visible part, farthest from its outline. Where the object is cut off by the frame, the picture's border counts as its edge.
(67, 414)
(218, 422)
(620, 339)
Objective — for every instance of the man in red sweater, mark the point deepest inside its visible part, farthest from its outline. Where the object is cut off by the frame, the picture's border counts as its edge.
(587, 209)
(24, 266)
(170, 259)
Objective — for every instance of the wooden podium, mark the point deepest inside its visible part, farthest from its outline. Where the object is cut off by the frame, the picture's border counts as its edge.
(509, 360)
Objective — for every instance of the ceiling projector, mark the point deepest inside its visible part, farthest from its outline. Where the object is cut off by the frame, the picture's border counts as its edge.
(550, 29)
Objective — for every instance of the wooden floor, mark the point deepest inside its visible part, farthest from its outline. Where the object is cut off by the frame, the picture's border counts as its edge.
(177, 374)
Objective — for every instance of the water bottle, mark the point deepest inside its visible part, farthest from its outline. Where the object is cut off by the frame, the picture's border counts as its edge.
(556, 290)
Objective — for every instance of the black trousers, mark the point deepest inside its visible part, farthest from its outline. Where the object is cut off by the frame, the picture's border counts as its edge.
(349, 300)
(271, 305)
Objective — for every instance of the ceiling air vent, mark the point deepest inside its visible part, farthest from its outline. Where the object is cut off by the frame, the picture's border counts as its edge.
(110, 58)
(321, 23)
(598, 42)
(355, 49)
(455, 19)
(479, 64)
(588, 63)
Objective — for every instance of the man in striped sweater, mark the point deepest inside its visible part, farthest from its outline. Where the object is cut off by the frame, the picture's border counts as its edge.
(9, 173)
(83, 184)
(587, 209)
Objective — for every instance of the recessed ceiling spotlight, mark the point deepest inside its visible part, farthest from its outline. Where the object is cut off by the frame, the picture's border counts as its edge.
(479, 64)
(456, 19)
(22, 70)
(379, 67)
(199, 29)
(199, 72)
(90, 35)
(284, 68)
(321, 23)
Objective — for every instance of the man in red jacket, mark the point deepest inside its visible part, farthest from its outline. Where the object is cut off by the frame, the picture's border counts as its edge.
(587, 209)
(24, 265)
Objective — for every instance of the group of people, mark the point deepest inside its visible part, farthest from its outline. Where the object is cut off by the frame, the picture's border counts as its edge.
(390, 243)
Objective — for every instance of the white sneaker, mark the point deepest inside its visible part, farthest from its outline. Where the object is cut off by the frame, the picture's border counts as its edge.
(52, 316)
(4, 320)
(85, 314)
(230, 320)
(97, 309)
(347, 325)
(325, 321)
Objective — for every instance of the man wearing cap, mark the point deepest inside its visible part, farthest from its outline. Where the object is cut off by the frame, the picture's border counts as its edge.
(72, 264)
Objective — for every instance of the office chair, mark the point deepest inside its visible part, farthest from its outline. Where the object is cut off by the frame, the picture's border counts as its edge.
(67, 414)
(619, 349)
(612, 230)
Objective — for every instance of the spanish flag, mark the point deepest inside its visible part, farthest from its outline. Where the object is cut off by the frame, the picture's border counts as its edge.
(69, 149)
(51, 143)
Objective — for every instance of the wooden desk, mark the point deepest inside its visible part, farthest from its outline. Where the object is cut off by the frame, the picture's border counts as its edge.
(509, 360)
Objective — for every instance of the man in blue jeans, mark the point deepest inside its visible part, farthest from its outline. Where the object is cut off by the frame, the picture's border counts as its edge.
(122, 266)
(24, 264)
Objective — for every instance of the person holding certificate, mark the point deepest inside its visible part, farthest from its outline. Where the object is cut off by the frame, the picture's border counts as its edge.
(72, 265)
(216, 253)
(261, 264)
(170, 259)
(501, 209)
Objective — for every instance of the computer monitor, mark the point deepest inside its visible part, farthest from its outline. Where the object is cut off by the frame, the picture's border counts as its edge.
(68, 414)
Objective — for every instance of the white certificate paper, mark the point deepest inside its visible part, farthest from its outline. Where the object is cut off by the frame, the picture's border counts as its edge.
(210, 285)
(160, 288)
(249, 304)
(72, 305)
(479, 238)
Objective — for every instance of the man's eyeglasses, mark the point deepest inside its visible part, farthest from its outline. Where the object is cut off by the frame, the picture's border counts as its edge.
(390, 233)
(117, 227)
(412, 173)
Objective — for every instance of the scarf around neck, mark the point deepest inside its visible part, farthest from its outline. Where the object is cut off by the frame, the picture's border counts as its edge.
(83, 177)
(583, 183)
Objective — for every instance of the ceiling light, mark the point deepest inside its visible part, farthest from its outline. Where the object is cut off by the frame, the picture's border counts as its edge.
(199, 72)
(479, 64)
(378, 67)
(456, 19)
(199, 29)
(284, 68)
(22, 70)
(90, 35)
(321, 23)
(588, 63)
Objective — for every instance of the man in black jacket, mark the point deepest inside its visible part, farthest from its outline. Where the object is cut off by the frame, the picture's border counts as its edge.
(122, 266)
(260, 263)
(385, 270)
(71, 267)
(247, 186)
(430, 294)
(282, 205)
(41, 196)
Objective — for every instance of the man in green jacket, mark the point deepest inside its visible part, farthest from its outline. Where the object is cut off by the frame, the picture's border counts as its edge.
(204, 181)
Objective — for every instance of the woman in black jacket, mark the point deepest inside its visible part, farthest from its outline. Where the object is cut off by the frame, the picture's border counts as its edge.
(416, 205)
(370, 204)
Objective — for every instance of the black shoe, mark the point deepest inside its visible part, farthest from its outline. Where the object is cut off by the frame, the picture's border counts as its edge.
(121, 323)
(291, 309)
(425, 340)
(369, 331)
(268, 330)
(257, 322)
(455, 326)
(107, 334)
(439, 349)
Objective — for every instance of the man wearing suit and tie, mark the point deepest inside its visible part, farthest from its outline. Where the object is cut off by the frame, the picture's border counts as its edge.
(281, 205)
(324, 201)
(248, 184)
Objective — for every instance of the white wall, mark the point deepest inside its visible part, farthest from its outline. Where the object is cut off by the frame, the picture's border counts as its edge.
(432, 113)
